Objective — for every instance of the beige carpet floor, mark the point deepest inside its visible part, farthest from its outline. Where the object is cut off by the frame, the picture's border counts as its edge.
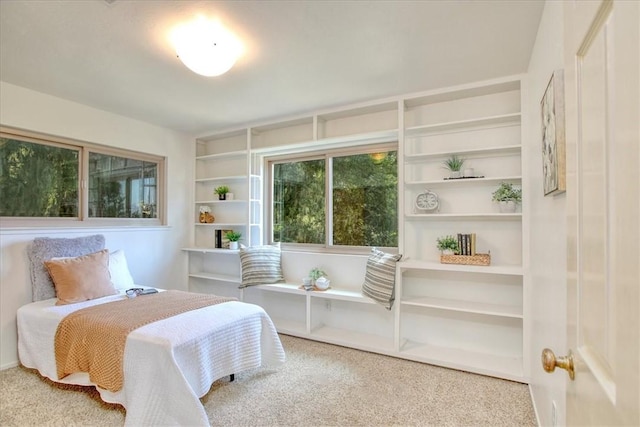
(319, 385)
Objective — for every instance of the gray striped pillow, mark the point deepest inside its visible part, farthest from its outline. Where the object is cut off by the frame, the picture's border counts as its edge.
(380, 278)
(261, 265)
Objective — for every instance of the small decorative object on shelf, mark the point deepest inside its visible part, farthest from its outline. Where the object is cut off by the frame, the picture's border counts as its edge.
(427, 202)
(233, 237)
(222, 191)
(315, 274)
(477, 259)
(206, 217)
(322, 283)
(448, 245)
(507, 196)
(454, 165)
(306, 284)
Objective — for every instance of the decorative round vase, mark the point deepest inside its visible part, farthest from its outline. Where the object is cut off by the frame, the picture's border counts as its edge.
(233, 245)
(447, 252)
(323, 283)
(508, 206)
(454, 174)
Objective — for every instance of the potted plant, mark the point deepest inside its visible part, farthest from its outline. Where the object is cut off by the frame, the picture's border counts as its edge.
(448, 245)
(221, 191)
(233, 237)
(454, 164)
(315, 274)
(507, 196)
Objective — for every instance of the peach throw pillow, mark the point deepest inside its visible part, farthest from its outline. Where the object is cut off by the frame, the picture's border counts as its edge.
(80, 279)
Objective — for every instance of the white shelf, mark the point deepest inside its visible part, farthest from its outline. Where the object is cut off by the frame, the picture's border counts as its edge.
(211, 250)
(475, 152)
(349, 338)
(347, 140)
(221, 201)
(465, 306)
(510, 270)
(464, 125)
(465, 181)
(465, 217)
(286, 288)
(333, 293)
(342, 294)
(502, 366)
(217, 277)
(222, 156)
(286, 326)
(221, 224)
(222, 178)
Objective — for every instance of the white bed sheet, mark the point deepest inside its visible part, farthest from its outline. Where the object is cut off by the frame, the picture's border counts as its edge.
(169, 364)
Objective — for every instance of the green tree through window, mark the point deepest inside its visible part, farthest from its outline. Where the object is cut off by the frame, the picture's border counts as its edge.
(364, 199)
(38, 180)
(40, 177)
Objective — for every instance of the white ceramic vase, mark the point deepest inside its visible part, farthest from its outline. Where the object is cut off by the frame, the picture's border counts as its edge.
(508, 206)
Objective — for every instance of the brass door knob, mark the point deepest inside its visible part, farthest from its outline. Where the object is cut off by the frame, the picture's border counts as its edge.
(550, 362)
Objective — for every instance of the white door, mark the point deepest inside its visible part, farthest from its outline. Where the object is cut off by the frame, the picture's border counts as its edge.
(602, 97)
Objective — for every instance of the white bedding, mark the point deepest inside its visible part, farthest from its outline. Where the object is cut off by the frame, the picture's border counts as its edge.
(169, 364)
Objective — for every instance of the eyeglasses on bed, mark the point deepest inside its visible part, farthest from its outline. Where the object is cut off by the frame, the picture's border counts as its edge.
(133, 292)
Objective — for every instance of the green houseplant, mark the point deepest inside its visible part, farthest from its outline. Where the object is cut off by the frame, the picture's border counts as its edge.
(447, 245)
(221, 191)
(508, 196)
(233, 237)
(454, 165)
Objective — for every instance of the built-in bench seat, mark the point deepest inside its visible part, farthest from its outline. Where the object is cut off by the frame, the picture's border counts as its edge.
(331, 293)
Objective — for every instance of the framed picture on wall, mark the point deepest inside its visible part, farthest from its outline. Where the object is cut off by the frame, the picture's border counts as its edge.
(553, 136)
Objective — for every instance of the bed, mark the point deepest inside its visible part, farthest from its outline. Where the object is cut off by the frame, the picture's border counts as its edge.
(168, 364)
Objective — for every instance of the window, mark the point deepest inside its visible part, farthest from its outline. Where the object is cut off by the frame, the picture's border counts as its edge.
(53, 178)
(337, 199)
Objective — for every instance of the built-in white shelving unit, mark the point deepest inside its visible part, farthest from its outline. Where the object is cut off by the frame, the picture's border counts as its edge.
(465, 317)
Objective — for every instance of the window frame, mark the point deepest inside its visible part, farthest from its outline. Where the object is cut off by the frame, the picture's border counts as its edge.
(84, 148)
(270, 160)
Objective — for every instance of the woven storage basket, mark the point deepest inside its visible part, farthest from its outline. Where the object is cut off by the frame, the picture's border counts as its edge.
(477, 259)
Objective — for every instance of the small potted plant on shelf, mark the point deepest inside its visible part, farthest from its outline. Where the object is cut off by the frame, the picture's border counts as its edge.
(221, 191)
(507, 196)
(448, 245)
(233, 237)
(454, 165)
(315, 274)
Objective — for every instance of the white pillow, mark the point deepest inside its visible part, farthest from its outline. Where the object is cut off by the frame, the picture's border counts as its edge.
(119, 270)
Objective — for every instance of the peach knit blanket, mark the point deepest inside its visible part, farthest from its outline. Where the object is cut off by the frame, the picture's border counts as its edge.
(93, 339)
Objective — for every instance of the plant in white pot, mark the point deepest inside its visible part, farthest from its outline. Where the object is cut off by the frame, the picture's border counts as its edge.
(448, 245)
(454, 165)
(233, 237)
(507, 196)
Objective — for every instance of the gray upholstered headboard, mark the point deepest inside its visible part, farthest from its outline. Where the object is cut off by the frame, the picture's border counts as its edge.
(45, 248)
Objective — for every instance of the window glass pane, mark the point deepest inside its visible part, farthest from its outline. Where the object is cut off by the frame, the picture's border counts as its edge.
(38, 180)
(299, 202)
(122, 188)
(365, 200)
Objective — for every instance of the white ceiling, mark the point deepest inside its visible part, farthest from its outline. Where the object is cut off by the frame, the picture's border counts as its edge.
(300, 56)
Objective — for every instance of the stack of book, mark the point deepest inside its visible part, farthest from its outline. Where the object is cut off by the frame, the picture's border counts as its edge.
(221, 241)
(467, 244)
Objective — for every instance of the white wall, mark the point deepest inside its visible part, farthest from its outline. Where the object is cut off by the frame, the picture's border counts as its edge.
(549, 229)
(154, 255)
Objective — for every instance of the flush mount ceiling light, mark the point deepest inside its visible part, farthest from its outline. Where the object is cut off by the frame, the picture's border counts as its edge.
(206, 47)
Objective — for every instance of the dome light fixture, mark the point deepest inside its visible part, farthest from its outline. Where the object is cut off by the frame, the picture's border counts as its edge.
(206, 47)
